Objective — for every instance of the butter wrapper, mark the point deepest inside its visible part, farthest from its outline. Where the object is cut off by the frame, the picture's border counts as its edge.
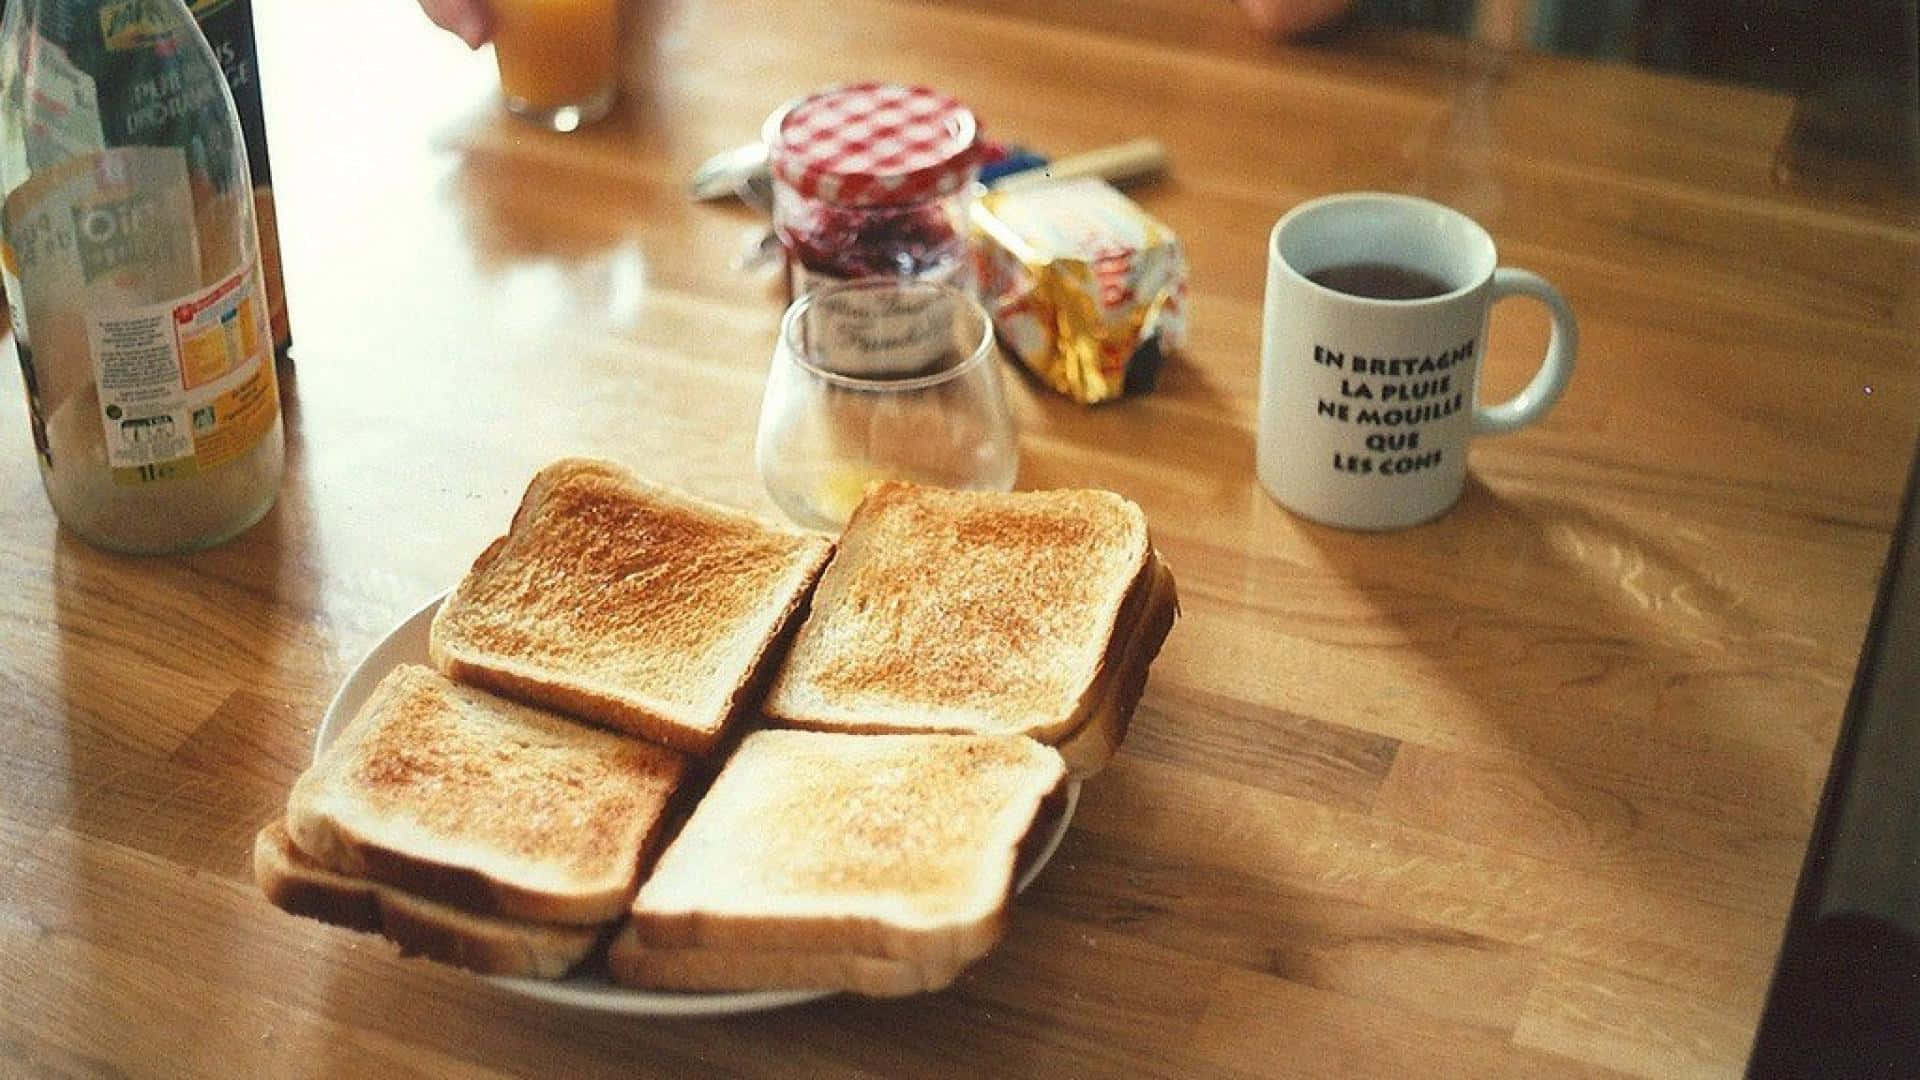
(1085, 287)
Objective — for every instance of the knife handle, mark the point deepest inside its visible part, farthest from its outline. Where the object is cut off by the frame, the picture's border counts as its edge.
(1130, 160)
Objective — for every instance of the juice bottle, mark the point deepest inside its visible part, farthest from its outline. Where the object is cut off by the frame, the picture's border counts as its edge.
(133, 275)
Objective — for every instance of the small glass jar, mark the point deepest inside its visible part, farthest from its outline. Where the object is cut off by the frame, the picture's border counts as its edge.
(873, 180)
(882, 379)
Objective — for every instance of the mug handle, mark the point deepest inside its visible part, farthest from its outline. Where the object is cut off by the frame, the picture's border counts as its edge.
(1548, 383)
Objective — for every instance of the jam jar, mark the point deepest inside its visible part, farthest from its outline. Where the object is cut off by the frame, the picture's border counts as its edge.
(873, 179)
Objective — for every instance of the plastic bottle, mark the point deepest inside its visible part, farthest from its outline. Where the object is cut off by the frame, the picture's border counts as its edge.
(133, 275)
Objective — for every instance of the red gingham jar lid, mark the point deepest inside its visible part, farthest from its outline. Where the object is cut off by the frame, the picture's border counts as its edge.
(872, 144)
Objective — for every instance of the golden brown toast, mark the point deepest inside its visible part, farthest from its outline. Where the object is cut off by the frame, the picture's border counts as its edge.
(1148, 616)
(874, 863)
(486, 944)
(1029, 613)
(627, 604)
(458, 796)
(701, 969)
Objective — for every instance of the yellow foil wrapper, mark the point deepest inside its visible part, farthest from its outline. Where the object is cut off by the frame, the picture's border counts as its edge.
(1086, 288)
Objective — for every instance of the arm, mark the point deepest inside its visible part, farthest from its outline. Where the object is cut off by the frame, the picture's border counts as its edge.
(1291, 18)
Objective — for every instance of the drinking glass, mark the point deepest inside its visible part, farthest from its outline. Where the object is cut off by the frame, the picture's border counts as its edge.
(882, 379)
(559, 59)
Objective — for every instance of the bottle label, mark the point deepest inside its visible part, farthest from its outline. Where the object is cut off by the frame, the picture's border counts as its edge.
(105, 254)
(184, 386)
(148, 87)
(63, 112)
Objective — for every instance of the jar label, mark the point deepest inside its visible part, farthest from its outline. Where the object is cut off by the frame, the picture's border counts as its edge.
(880, 333)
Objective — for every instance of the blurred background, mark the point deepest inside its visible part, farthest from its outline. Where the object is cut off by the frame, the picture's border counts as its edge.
(1850, 64)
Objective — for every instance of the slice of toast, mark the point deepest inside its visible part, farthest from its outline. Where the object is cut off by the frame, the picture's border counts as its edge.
(1089, 747)
(488, 945)
(873, 863)
(1032, 613)
(627, 604)
(458, 796)
(712, 970)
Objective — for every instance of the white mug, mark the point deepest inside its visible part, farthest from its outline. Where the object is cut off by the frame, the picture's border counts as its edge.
(1369, 375)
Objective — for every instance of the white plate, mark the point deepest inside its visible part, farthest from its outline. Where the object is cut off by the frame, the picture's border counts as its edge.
(407, 643)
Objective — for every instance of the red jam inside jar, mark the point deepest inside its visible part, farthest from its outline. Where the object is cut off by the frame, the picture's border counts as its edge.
(872, 180)
(843, 243)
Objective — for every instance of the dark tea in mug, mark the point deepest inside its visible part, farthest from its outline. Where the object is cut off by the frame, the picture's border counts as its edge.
(1380, 281)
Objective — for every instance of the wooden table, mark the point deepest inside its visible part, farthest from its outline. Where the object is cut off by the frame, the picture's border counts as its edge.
(1522, 792)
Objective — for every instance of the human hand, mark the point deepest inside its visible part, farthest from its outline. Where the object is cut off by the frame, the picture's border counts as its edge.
(1291, 18)
(469, 20)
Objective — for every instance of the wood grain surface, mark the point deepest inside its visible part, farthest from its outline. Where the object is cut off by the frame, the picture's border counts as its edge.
(1522, 792)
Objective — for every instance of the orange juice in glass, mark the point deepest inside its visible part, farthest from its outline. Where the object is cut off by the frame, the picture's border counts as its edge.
(558, 59)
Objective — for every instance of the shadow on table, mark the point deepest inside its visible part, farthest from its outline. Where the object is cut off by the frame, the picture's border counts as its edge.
(177, 674)
(451, 1014)
(1617, 663)
(177, 678)
(1067, 444)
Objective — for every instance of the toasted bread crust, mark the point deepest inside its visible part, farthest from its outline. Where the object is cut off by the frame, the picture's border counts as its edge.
(1089, 747)
(965, 612)
(630, 605)
(705, 969)
(294, 885)
(636, 962)
(490, 946)
(497, 808)
(901, 847)
(1046, 821)
(953, 945)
